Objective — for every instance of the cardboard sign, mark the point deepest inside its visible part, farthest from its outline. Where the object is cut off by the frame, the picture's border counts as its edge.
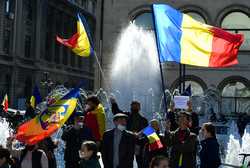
(181, 102)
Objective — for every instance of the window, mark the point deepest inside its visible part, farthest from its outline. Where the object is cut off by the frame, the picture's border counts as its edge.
(58, 31)
(6, 41)
(236, 89)
(196, 88)
(196, 16)
(7, 6)
(27, 46)
(79, 62)
(49, 33)
(144, 20)
(27, 9)
(48, 48)
(235, 96)
(238, 22)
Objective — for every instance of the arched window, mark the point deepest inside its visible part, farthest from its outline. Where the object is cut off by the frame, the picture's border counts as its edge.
(235, 94)
(196, 16)
(144, 20)
(236, 89)
(238, 22)
(198, 86)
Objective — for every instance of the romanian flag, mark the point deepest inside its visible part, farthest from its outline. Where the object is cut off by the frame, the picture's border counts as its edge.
(48, 121)
(5, 103)
(80, 43)
(35, 98)
(154, 140)
(182, 39)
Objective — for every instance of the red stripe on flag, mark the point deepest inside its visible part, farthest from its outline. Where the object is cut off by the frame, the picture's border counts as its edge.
(156, 145)
(71, 42)
(6, 105)
(225, 48)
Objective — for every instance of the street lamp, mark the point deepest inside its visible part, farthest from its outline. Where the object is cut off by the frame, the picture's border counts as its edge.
(47, 82)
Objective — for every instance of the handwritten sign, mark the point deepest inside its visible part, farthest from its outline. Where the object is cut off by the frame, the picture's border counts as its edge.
(181, 102)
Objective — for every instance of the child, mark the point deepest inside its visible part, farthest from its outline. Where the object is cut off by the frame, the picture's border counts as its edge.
(159, 162)
(5, 159)
(88, 155)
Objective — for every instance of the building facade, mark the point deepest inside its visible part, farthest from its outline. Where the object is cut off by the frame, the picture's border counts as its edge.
(29, 53)
(231, 85)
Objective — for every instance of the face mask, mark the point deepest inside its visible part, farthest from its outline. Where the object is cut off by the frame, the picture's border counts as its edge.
(121, 127)
(80, 124)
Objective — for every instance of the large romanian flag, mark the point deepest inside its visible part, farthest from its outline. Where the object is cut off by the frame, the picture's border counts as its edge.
(49, 121)
(80, 43)
(182, 39)
(154, 140)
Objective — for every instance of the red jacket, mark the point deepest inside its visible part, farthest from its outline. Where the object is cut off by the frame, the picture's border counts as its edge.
(91, 122)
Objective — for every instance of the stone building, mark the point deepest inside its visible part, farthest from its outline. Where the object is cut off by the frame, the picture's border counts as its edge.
(30, 55)
(231, 85)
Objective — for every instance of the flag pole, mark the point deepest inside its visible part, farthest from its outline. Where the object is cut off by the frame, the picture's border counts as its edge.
(183, 77)
(160, 65)
(102, 73)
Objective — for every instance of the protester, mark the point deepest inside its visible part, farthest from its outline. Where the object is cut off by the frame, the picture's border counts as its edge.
(48, 146)
(30, 111)
(242, 123)
(73, 136)
(5, 159)
(159, 162)
(209, 154)
(118, 145)
(213, 117)
(30, 156)
(88, 155)
(136, 122)
(195, 119)
(183, 143)
(222, 118)
(171, 117)
(147, 154)
(95, 118)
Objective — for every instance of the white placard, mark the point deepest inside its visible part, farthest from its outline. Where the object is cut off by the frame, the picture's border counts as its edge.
(181, 102)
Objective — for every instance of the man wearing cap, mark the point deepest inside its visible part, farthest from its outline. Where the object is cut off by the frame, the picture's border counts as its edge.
(118, 145)
(183, 142)
(73, 136)
(136, 122)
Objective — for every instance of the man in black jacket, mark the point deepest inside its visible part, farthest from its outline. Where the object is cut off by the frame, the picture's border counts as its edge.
(136, 122)
(118, 145)
(183, 142)
(73, 137)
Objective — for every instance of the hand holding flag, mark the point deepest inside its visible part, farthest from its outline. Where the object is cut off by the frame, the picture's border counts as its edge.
(154, 140)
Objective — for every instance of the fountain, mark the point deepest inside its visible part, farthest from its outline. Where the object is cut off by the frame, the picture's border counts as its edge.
(5, 131)
(135, 70)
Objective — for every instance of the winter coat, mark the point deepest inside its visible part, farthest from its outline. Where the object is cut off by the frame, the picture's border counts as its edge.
(184, 150)
(73, 138)
(91, 163)
(126, 149)
(209, 154)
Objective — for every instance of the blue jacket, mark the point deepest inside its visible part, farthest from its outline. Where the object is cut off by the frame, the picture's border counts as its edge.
(210, 154)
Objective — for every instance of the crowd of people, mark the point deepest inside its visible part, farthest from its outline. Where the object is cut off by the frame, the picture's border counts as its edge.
(87, 139)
